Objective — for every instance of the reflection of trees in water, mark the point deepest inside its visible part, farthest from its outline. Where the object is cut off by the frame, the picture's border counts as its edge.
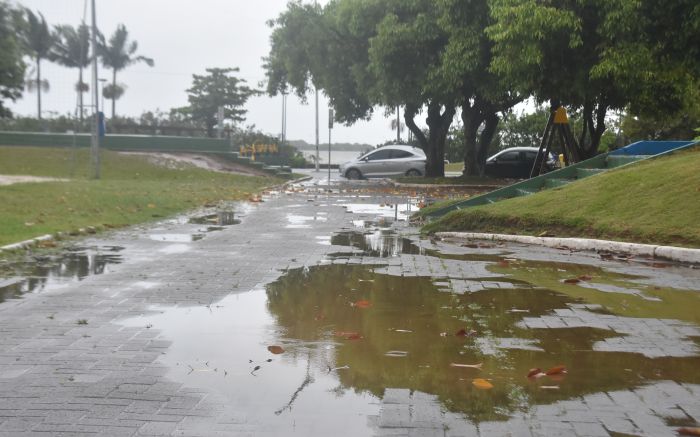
(312, 304)
(378, 243)
(69, 266)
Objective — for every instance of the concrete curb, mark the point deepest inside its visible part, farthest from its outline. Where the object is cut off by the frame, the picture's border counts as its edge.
(679, 254)
(27, 243)
(460, 186)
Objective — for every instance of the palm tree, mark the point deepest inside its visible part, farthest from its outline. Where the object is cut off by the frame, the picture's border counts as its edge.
(38, 40)
(72, 50)
(118, 54)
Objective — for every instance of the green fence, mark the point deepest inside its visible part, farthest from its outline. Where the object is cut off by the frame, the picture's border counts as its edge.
(117, 142)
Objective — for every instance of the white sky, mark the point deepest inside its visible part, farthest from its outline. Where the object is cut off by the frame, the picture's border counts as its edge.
(185, 37)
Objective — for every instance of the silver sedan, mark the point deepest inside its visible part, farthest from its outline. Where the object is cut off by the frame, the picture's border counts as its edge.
(386, 161)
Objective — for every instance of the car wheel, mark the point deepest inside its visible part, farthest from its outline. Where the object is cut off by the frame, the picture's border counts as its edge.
(413, 173)
(353, 173)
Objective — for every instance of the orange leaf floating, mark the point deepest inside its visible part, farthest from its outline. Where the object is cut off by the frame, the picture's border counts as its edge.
(482, 384)
(534, 372)
(348, 335)
(362, 304)
(689, 431)
(275, 349)
(558, 370)
(572, 281)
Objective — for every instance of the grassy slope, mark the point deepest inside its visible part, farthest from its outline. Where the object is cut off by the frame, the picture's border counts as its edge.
(656, 201)
(130, 191)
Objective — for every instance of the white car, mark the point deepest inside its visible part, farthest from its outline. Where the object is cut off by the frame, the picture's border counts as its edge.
(386, 161)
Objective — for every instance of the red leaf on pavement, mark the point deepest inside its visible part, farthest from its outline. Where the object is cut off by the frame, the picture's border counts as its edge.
(362, 304)
(572, 281)
(689, 431)
(558, 370)
(275, 349)
(354, 336)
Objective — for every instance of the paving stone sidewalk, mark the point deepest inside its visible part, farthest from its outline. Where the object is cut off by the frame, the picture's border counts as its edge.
(69, 367)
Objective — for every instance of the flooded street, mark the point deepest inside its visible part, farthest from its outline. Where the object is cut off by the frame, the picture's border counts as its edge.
(320, 313)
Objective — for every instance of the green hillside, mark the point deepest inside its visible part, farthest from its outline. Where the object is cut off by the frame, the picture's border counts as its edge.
(132, 190)
(655, 201)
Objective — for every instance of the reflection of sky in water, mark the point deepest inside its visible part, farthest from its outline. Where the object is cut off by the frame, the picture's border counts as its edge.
(56, 272)
(296, 221)
(401, 211)
(213, 349)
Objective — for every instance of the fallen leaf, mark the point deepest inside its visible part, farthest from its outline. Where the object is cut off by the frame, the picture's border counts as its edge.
(151, 205)
(362, 304)
(549, 387)
(689, 431)
(470, 366)
(558, 370)
(503, 263)
(348, 335)
(275, 349)
(482, 384)
(534, 372)
(585, 278)
(572, 281)
(465, 333)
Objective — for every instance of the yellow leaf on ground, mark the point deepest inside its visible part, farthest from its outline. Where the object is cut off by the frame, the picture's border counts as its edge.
(482, 384)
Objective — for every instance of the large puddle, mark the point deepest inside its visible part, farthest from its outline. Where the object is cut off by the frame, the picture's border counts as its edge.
(321, 345)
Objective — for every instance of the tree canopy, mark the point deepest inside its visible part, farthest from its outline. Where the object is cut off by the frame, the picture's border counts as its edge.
(219, 88)
(484, 56)
(11, 65)
(118, 53)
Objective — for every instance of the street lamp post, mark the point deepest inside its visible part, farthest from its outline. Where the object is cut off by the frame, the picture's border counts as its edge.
(102, 92)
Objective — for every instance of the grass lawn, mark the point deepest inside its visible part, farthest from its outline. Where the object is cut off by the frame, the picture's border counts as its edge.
(656, 201)
(131, 190)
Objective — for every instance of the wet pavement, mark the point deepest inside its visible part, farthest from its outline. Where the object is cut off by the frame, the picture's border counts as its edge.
(321, 313)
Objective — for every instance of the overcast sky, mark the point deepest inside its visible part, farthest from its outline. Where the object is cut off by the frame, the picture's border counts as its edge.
(185, 37)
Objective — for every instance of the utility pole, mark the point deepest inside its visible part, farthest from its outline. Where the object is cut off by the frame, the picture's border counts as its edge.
(398, 125)
(95, 145)
(330, 128)
(283, 135)
(318, 156)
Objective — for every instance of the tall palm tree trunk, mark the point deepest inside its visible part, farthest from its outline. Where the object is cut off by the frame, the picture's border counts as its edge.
(38, 86)
(114, 87)
(80, 93)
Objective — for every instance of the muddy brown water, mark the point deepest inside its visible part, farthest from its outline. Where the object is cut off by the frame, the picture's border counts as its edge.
(349, 332)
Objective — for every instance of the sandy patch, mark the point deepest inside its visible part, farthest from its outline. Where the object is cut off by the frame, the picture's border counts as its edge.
(212, 163)
(19, 179)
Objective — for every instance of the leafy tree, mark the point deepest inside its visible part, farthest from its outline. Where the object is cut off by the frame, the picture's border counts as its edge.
(465, 69)
(594, 56)
(404, 54)
(119, 53)
(11, 65)
(72, 50)
(39, 41)
(219, 88)
(678, 125)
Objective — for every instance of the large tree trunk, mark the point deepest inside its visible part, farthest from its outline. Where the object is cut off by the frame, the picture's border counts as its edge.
(114, 90)
(433, 145)
(476, 145)
(80, 94)
(594, 127)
